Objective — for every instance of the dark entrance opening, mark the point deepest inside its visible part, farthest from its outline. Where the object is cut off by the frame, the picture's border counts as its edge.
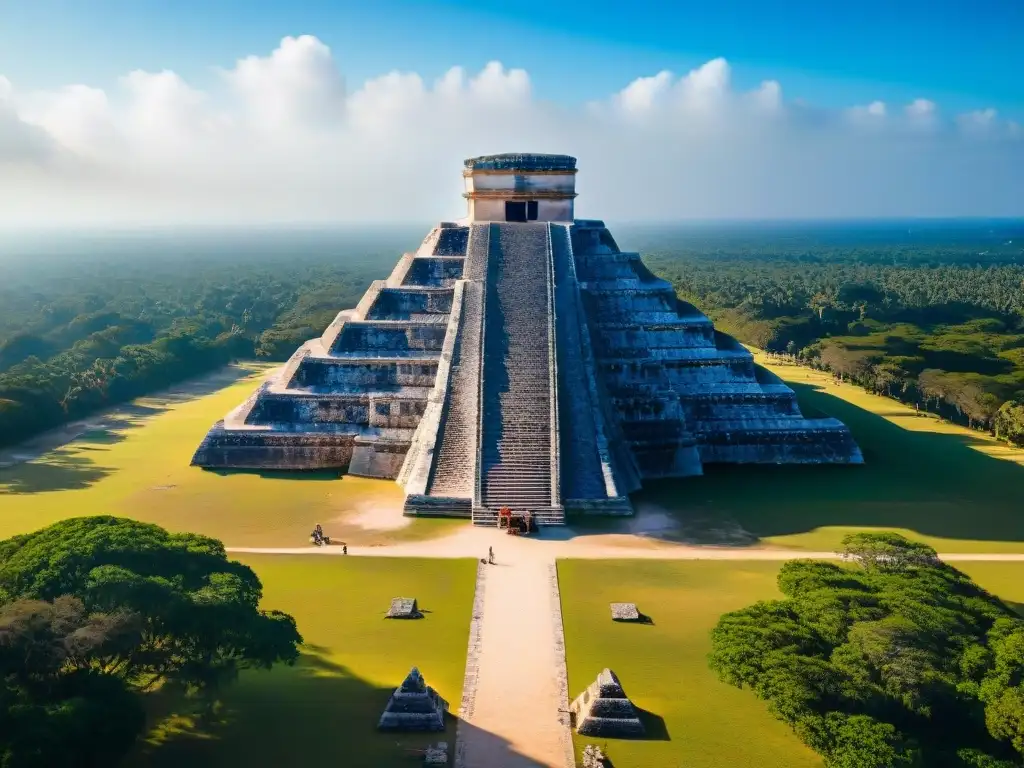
(531, 210)
(515, 211)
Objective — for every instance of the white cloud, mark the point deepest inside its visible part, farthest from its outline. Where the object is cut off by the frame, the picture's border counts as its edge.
(298, 83)
(978, 122)
(920, 108)
(281, 137)
(644, 93)
(872, 114)
(769, 96)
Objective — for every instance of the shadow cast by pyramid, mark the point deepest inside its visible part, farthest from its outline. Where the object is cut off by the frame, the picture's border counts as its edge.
(316, 713)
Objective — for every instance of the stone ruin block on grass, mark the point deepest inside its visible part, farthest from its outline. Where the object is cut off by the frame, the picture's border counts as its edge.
(414, 706)
(625, 612)
(403, 608)
(436, 755)
(605, 710)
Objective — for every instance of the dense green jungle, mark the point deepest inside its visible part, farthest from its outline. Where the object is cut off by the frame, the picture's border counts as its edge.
(928, 312)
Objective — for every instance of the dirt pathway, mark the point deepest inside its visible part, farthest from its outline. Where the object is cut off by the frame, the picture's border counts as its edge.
(514, 722)
(472, 542)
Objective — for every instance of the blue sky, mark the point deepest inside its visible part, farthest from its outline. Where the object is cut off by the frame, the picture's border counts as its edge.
(963, 55)
(147, 111)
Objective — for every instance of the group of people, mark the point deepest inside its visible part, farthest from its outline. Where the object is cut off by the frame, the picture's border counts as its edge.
(319, 538)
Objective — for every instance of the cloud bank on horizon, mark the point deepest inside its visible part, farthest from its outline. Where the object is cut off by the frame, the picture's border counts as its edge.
(283, 138)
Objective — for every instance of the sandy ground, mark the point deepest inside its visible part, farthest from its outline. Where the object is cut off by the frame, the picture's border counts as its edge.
(515, 718)
(374, 516)
(472, 541)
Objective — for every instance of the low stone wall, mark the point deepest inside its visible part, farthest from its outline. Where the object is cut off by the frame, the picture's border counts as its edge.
(434, 271)
(469, 682)
(423, 452)
(561, 672)
(381, 459)
(227, 449)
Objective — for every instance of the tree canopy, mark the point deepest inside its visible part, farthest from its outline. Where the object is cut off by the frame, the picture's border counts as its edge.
(100, 320)
(96, 611)
(890, 659)
(932, 316)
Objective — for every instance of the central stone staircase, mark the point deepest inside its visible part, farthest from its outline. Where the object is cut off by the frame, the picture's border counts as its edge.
(519, 418)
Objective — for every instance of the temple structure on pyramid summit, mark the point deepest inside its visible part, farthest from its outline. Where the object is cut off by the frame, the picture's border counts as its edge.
(519, 359)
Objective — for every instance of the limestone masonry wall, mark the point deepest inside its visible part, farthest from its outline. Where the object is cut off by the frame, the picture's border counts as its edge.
(533, 365)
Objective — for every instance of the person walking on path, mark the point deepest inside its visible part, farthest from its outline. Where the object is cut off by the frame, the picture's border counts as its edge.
(490, 555)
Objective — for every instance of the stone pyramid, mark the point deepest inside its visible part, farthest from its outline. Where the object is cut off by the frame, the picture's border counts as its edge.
(605, 710)
(414, 706)
(518, 358)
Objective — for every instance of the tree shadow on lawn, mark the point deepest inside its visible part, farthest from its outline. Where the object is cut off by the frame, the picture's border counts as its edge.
(54, 460)
(64, 470)
(1017, 608)
(316, 713)
(279, 474)
(933, 483)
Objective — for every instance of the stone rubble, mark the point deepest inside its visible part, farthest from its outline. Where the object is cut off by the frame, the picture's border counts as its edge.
(593, 757)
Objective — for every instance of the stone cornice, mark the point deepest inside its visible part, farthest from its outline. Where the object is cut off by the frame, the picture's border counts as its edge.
(509, 194)
(517, 172)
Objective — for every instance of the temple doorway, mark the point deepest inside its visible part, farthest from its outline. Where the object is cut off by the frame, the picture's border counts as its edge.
(515, 211)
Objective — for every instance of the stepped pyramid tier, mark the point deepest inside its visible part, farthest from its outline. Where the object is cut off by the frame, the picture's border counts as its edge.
(605, 710)
(414, 706)
(519, 359)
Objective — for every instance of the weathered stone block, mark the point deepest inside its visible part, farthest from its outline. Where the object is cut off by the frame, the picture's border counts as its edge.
(404, 608)
(625, 612)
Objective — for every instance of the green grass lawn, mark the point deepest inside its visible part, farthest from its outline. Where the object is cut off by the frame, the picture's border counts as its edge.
(135, 463)
(958, 490)
(696, 721)
(1006, 580)
(324, 710)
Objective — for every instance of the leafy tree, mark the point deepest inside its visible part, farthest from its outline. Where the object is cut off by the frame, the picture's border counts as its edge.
(892, 659)
(59, 707)
(1009, 421)
(200, 614)
(95, 611)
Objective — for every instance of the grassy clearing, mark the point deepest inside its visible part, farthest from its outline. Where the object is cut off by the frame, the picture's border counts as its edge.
(1006, 580)
(956, 489)
(697, 721)
(134, 462)
(663, 667)
(324, 711)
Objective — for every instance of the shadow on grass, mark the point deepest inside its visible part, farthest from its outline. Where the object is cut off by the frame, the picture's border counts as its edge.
(63, 471)
(933, 483)
(316, 713)
(280, 474)
(654, 726)
(1017, 608)
(54, 460)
